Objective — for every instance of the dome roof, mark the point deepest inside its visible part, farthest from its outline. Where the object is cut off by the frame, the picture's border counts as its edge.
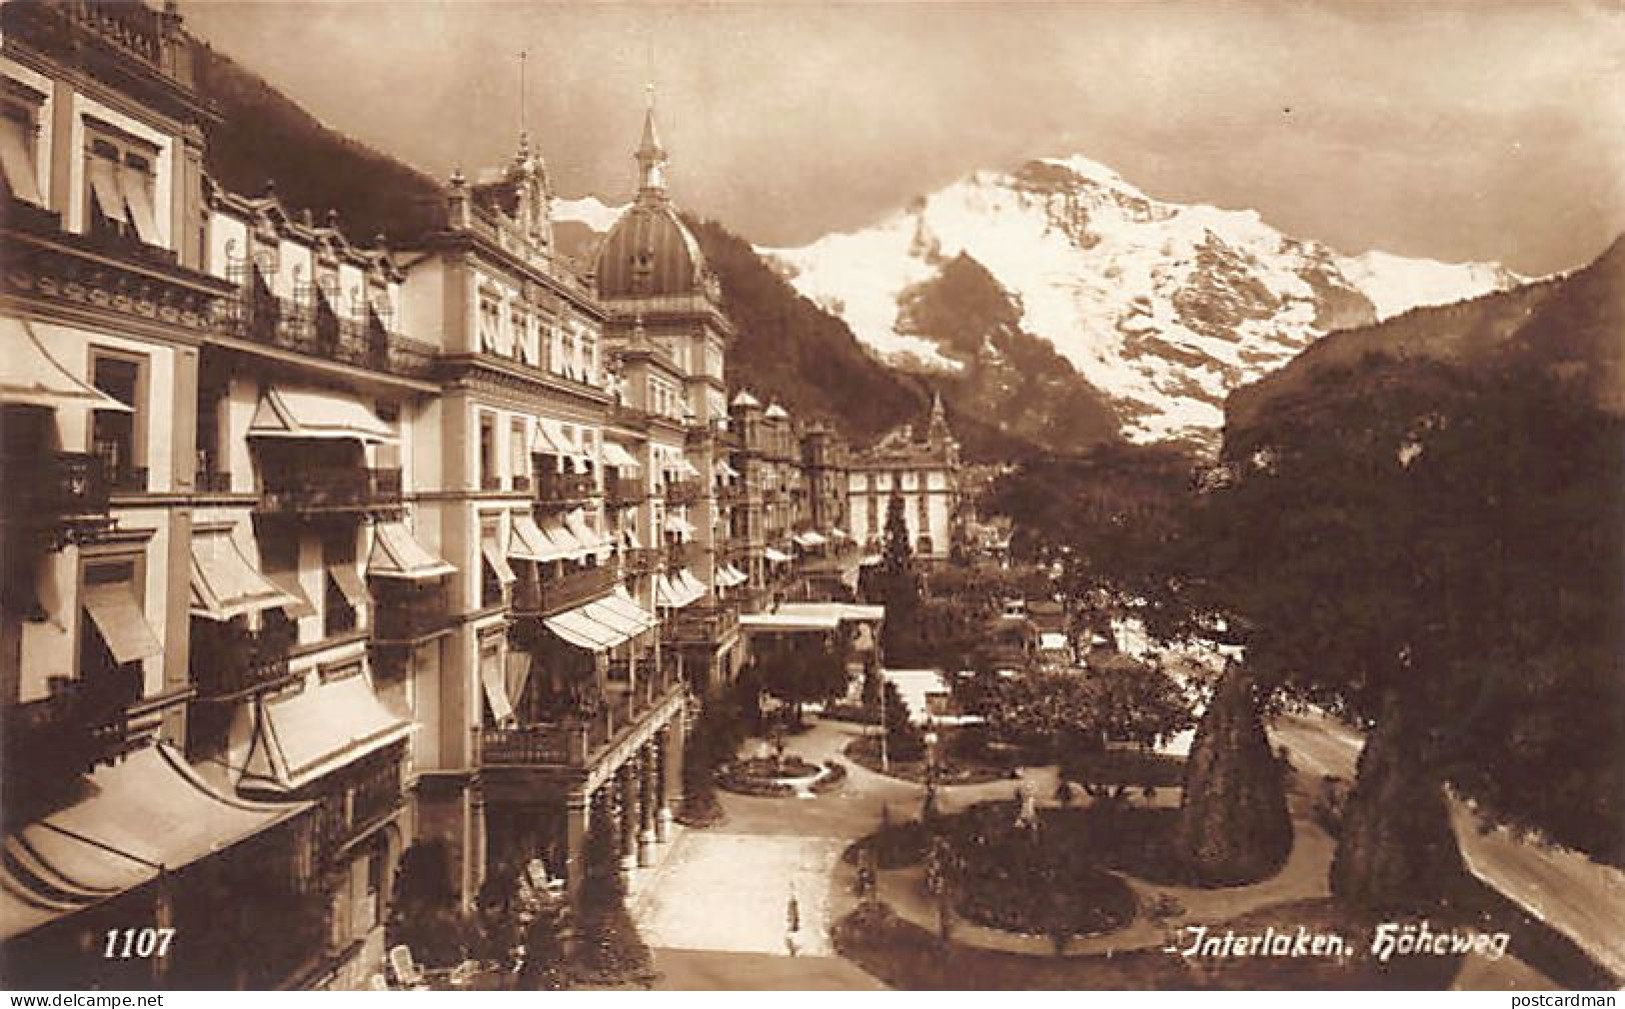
(650, 253)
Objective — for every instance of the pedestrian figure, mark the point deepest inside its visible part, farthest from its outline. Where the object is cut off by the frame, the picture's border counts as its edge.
(1026, 809)
(792, 922)
(1063, 793)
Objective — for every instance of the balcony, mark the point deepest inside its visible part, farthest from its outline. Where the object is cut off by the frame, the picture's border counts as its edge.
(229, 661)
(732, 493)
(680, 555)
(564, 489)
(134, 30)
(258, 316)
(703, 624)
(331, 489)
(553, 595)
(683, 492)
(409, 616)
(213, 482)
(64, 493)
(640, 561)
(358, 798)
(81, 724)
(624, 491)
(576, 743)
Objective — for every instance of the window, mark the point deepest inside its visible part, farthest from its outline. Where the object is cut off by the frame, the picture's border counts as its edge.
(114, 636)
(516, 455)
(19, 129)
(490, 325)
(495, 575)
(519, 325)
(570, 364)
(117, 435)
(589, 358)
(345, 593)
(120, 178)
(488, 452)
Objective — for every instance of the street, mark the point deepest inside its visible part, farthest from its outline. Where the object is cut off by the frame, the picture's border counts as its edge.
(1581, 899)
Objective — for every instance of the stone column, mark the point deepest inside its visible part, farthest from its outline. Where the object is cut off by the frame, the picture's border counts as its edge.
(646, 806)
(671, 773)
(575, 843)
(627, 786)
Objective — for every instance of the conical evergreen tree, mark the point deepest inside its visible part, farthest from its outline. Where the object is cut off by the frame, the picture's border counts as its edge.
(610, 950)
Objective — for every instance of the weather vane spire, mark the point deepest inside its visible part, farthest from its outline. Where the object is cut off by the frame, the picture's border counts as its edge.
(523, 55)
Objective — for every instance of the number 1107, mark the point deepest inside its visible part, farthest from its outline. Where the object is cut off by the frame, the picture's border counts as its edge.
(123, 943)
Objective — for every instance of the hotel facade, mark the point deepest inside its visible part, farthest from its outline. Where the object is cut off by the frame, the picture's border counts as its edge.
(313, 552)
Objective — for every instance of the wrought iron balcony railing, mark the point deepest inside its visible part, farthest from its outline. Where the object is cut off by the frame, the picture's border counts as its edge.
(564, 488)
(683, 492)
(619, 492)
(229, 661)
(577, 742)
(331, 489)
(404, 617)
(547, 596)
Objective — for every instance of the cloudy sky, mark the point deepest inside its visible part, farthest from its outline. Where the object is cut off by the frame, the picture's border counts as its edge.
(1486, 130)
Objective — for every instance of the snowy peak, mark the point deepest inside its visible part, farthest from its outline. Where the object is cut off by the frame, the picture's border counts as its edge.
(588, 210)
(1163, 307)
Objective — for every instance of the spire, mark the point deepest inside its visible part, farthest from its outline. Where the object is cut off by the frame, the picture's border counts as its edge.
(937, 426)
(650, 155)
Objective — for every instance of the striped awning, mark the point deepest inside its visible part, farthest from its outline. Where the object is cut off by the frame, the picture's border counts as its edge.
(776, 556)
(620, 458)
(30, 376)
(316, 414)
(396, 553)
(224, 583)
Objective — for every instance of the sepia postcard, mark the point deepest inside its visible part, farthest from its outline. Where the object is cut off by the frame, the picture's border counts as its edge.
(514, 496)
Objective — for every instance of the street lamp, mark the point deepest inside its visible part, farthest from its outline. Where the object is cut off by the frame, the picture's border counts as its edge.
(885, 764)
(931, 769)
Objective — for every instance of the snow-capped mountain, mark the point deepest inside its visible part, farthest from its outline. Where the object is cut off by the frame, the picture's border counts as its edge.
(1162, 307)
(597, 215)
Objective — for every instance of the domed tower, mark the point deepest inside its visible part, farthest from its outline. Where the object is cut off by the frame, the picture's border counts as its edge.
(650, 267)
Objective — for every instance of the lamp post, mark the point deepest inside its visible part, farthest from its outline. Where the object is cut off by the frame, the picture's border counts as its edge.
(931, 770)
(885, 763)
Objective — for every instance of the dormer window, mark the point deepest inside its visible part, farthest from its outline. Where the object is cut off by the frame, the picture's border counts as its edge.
(19, 128)
(120, 180)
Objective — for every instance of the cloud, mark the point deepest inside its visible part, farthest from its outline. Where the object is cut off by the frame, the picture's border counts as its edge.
(1450, 130)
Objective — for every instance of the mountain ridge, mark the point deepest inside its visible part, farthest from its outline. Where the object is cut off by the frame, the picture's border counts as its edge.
(1162, 307)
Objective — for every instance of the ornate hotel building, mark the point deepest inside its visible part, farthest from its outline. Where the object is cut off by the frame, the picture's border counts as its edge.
(920, 465)
(311, 552)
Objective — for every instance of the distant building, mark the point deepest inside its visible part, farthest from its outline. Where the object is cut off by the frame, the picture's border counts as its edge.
(921, 466)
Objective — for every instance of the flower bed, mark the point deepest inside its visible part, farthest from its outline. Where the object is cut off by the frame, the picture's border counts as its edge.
(767, 778)
(951, 770)
(1041, 879)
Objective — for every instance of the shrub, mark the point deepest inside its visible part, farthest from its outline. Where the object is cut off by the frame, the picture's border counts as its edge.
(609, 950)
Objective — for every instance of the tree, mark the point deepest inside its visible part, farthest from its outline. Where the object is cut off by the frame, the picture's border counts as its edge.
(896, 585)
(1434, 552)
(424, 915)
(545, 935)
(1234, 825)
(1074, 717)
(803, 671)
(904, 740)
(610, 949)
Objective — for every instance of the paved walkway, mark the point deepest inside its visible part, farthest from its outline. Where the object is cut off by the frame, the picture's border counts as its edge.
(715, 908)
